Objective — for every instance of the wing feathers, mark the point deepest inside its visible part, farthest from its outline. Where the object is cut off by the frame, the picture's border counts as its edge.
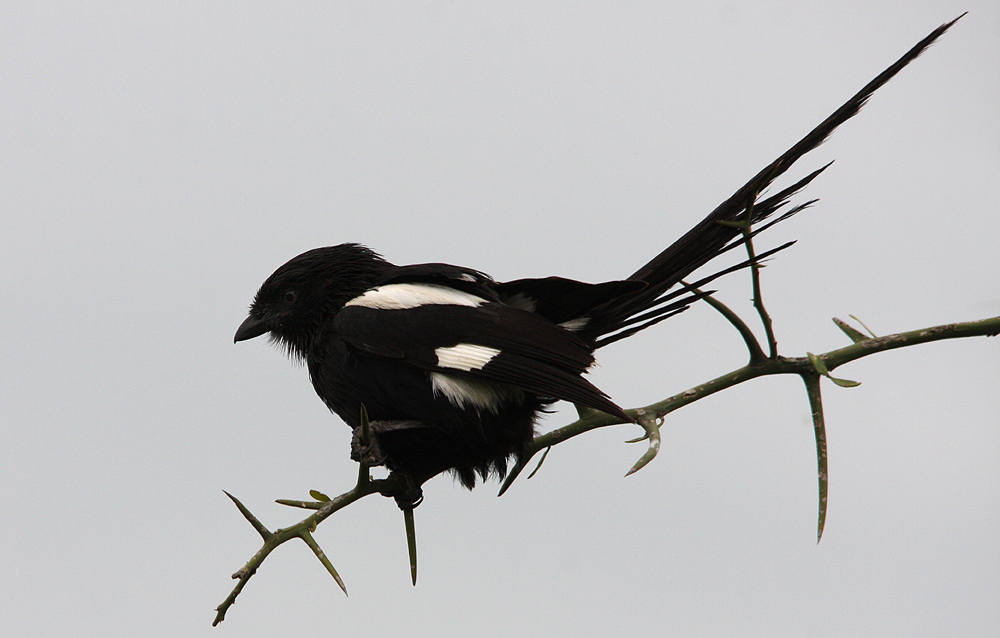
(490, 342)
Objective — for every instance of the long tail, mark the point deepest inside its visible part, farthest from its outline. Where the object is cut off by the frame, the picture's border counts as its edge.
(631, 313)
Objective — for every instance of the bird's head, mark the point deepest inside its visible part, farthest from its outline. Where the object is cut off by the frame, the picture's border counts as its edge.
(294, 303)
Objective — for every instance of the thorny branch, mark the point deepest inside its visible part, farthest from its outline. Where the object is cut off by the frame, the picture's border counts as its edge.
(801, 366)
(324, 507)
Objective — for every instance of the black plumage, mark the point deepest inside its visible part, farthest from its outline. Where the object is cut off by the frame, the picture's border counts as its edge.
(452, 367)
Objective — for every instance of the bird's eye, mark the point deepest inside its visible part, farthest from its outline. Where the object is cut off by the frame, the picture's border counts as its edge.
(289, 296)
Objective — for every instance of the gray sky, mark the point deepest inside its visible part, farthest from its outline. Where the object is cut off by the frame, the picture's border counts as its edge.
(158, 161)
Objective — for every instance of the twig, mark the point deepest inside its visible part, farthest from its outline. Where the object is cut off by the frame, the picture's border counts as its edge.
(753, 346)
(758, 297)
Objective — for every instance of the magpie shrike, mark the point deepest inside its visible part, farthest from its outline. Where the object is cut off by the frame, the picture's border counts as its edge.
(453, 367)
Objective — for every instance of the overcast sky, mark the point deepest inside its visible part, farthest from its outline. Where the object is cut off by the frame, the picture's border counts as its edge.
(158, 161)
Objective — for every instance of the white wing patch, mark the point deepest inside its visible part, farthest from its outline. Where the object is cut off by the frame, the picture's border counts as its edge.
(403, 296)
(465, 356)
(575, 325)
(471, 393)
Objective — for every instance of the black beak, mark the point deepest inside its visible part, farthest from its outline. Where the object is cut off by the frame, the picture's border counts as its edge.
(252, 327)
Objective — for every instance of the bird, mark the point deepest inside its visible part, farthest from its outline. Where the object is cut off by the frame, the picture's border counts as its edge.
(454, 369)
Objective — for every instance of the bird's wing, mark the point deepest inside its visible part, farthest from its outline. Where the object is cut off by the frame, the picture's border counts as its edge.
(441, 329)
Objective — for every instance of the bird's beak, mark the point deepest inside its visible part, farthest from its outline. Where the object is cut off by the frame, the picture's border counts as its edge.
(252, 327)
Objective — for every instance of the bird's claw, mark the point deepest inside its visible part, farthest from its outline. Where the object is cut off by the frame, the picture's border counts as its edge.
(370, 454)
(407, 495)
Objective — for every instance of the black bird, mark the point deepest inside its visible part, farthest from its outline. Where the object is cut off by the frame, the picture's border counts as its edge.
(454, 368)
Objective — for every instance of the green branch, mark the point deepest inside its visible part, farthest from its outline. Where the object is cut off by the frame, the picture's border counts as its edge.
(753, 346)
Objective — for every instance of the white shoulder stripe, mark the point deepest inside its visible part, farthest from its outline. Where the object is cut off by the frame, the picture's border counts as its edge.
(403, 296)
(465, 356)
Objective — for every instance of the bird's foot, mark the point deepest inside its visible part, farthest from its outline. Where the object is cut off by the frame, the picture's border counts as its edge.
(372, 454)
(410, 494)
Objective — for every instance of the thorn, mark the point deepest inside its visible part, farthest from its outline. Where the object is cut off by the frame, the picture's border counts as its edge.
(853, 334)
(314, 546)
(540, 461)
(411, 543)
(257, 525)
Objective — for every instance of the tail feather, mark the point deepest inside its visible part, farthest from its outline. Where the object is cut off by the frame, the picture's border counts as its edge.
(710, 238)
(661, 312)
